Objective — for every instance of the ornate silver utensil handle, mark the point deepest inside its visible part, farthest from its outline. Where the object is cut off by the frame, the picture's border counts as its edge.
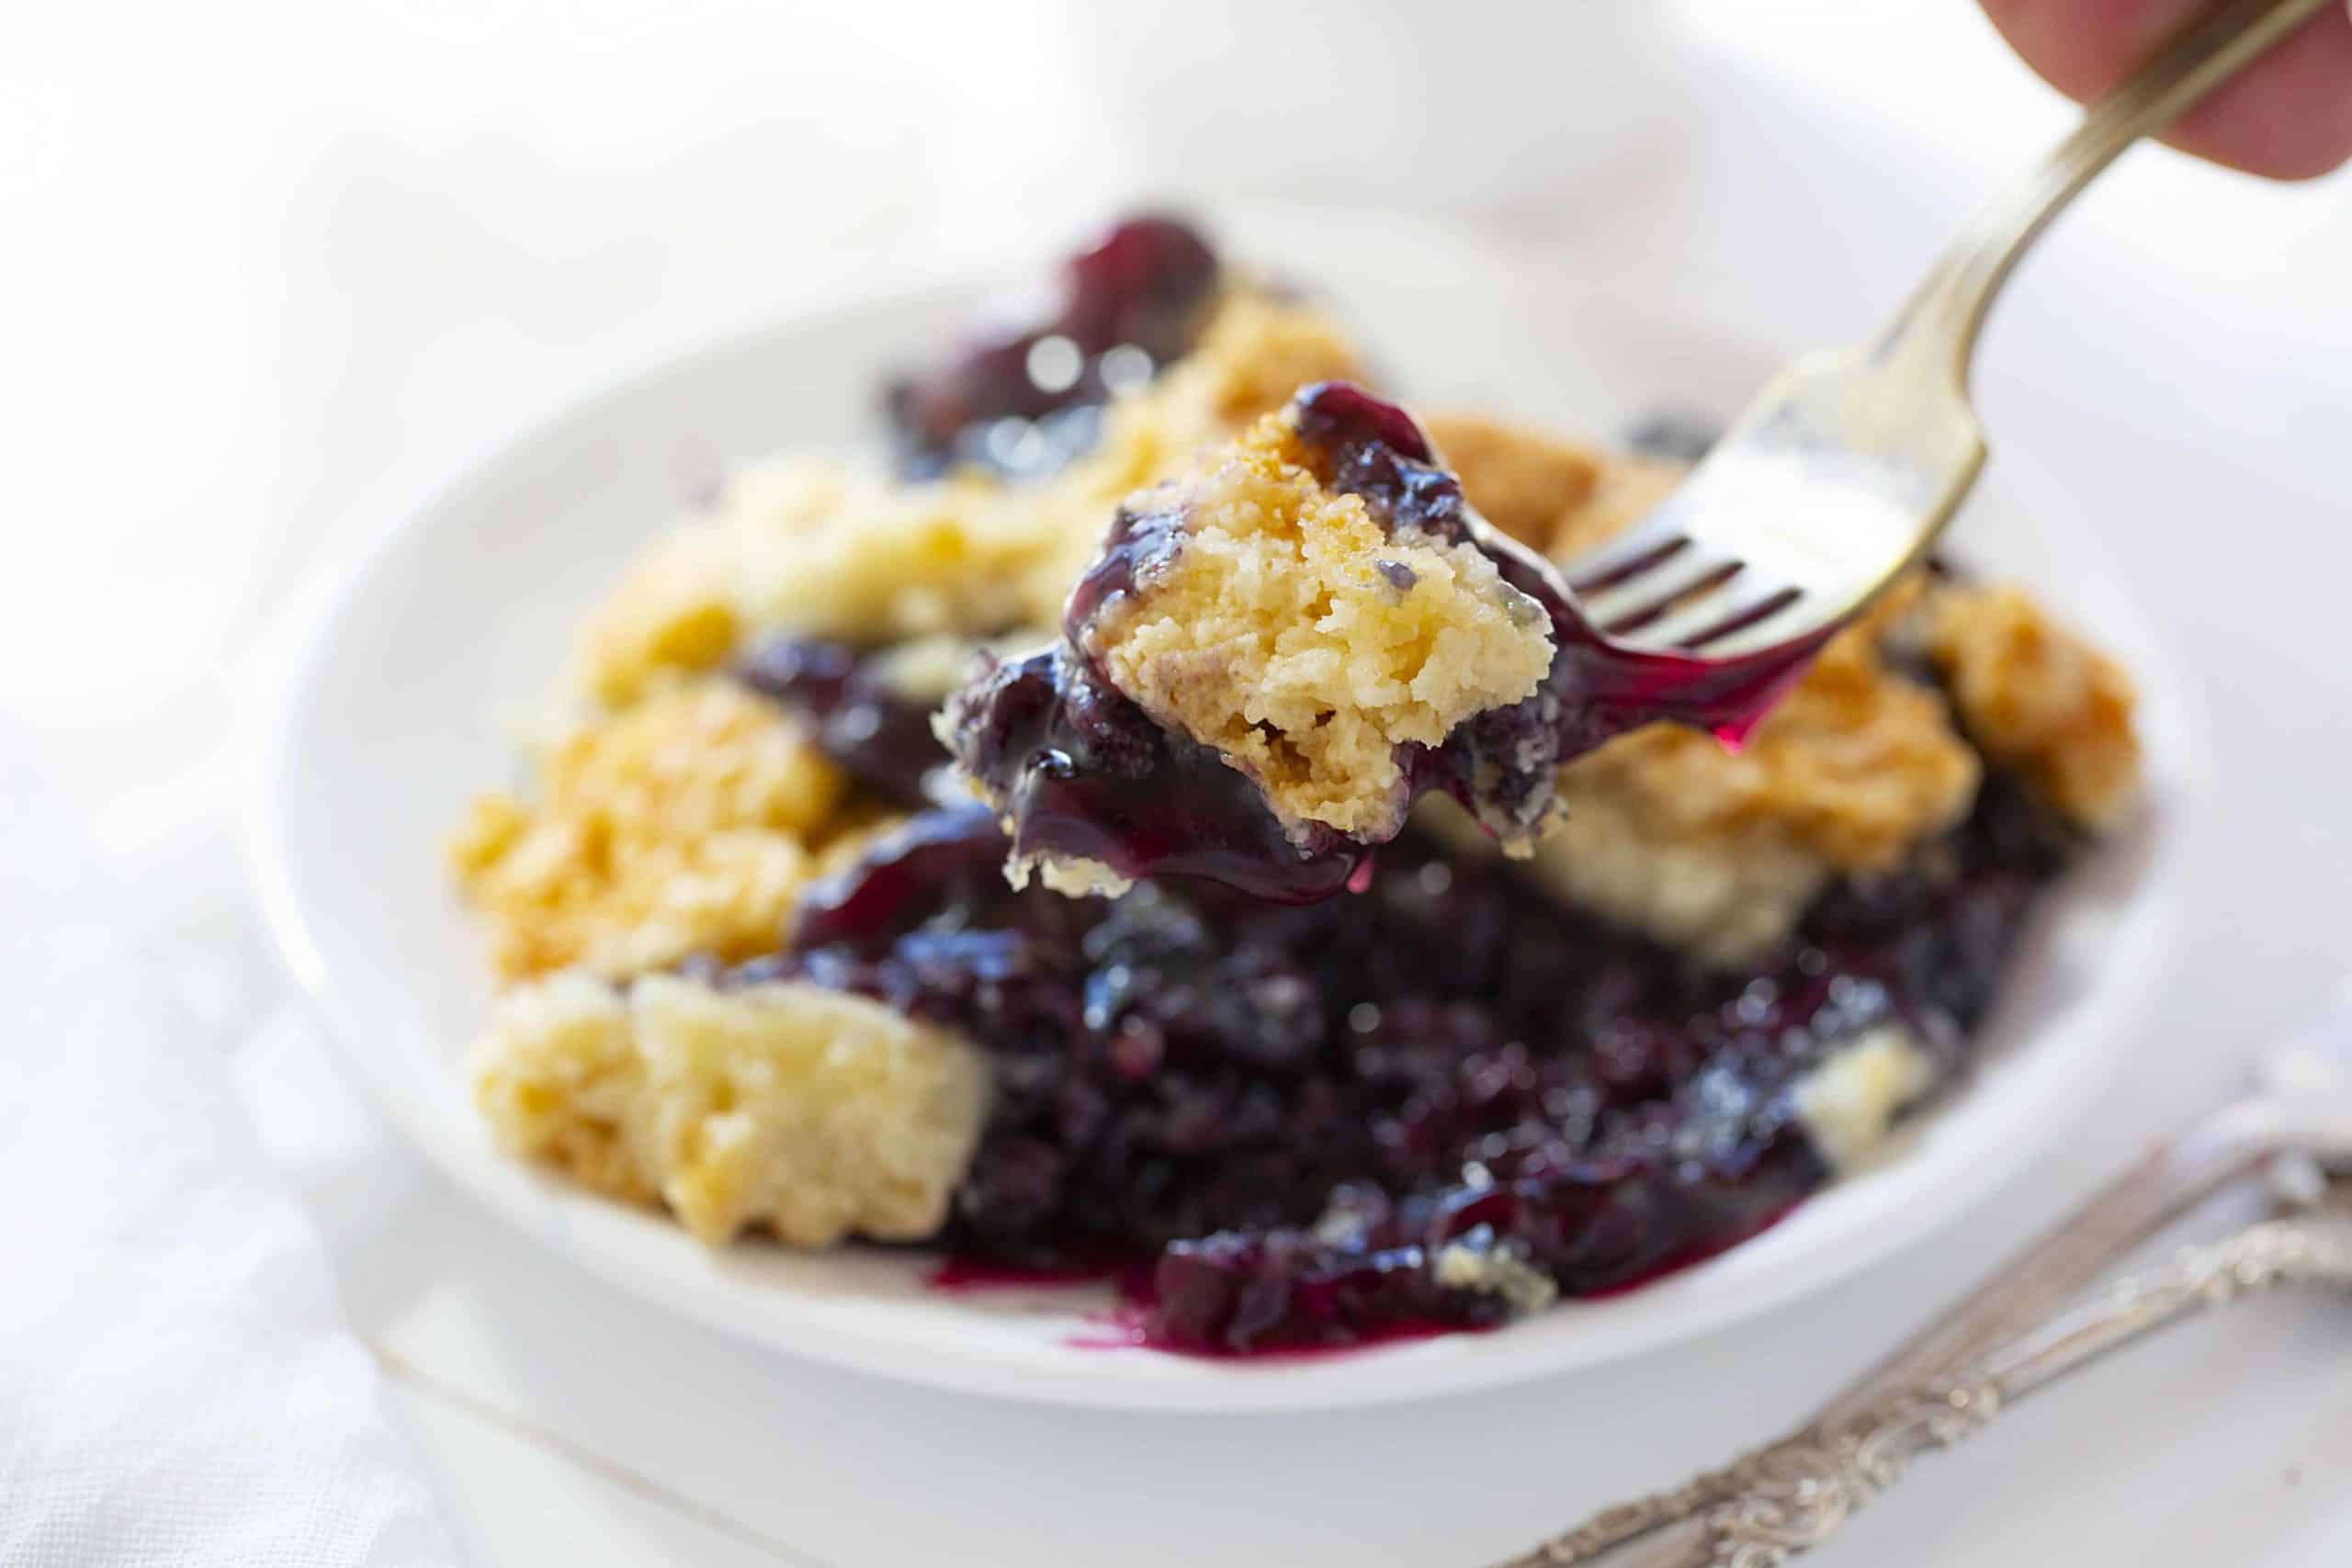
(1790, 1496)
(2024, 1291)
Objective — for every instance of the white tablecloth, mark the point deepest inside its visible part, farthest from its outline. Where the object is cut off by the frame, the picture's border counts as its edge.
(177, 1386)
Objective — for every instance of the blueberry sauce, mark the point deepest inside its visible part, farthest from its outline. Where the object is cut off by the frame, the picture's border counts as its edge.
(1024, 397)
(880, 738)
(1283, 1127)
(966, 1275)
(1087, 775)
(1081, 771)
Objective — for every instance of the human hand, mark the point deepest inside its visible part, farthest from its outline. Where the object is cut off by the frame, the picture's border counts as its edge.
(2289, 115)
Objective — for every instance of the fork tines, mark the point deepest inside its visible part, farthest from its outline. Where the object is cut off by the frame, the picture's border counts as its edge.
(1661, 589)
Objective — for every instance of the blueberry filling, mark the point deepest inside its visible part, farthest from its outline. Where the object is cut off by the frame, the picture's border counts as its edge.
(1333, 1122)
(1025, 398)
(880, 738)
(1082, 772)
(1086, 776)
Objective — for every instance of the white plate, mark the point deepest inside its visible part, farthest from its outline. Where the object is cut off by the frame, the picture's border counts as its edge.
(463, 596)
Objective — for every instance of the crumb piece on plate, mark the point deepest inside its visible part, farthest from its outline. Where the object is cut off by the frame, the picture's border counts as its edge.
(803, 1111)
(1258, 352)
(824, 549)
(683, 824)
(1498, 1268)
(672, 614)
(1718, 851)
(1520, 479)
(1563, 498)
(1849, 1102)
(1627, 488)
(2038, 698)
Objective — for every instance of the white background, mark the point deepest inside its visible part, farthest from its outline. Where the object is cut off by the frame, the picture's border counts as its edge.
(256, 254)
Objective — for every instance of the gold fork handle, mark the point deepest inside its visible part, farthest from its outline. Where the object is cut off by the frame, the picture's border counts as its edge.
(1942, 321)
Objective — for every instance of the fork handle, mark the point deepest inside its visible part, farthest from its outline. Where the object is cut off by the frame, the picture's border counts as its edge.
(1942, 321)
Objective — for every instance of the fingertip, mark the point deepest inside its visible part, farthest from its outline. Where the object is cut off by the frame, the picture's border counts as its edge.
(2288, 116)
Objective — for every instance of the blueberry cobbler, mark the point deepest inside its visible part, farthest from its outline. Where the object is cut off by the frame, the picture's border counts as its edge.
(1158, 824)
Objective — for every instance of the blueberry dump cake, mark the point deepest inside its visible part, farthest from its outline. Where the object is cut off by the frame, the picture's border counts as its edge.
(762, 968)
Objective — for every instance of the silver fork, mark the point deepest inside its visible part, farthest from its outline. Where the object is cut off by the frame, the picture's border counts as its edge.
(1847, 466)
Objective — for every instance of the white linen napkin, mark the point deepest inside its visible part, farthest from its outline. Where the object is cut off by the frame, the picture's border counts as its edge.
(177, 1385)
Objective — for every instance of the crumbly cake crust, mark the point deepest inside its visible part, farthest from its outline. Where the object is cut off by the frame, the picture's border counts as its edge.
(2038, 698)
(1849, 1103)
(807, 1112)
(827, 548)
(1560, 497)
(683, 824)
(1520, 480)
(1718, 851)
(1290, 631)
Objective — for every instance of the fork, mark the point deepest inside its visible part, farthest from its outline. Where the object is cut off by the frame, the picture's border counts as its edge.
(1843, 471)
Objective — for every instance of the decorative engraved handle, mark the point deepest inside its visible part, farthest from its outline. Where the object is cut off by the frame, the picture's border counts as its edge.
(2023, 1293)
(1768, 1506)
(1787, 1498)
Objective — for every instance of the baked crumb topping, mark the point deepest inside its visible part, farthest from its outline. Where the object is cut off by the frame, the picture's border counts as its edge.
(787, 1106)
(1561, 497)
(831, 549)
(1519, 480)
(1626, 489)
(1287, 628)
(1851, 1102)
(825, 548)
(1858, 763)
(1718, 851)
(2038, 698)
(683, 824)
